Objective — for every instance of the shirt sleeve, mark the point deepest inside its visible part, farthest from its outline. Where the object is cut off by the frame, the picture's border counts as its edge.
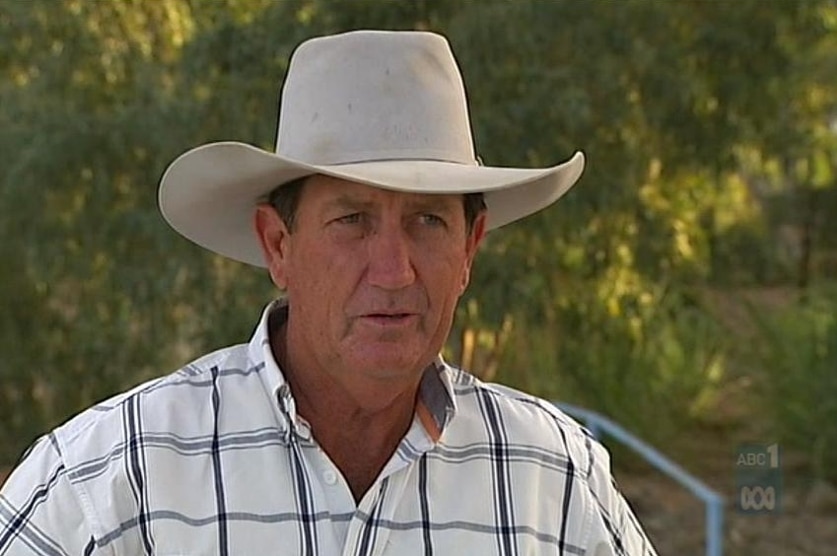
(40, 512)
(614, 530)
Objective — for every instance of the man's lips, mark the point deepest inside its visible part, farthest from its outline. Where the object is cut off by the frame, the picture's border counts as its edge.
(389, 318)
(385, 312)
(389, 314)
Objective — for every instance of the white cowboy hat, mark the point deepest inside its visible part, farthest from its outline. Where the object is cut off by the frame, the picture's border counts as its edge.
(382, 108)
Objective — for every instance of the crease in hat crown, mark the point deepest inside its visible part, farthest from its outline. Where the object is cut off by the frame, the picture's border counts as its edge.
(372, 96)
(382, 108)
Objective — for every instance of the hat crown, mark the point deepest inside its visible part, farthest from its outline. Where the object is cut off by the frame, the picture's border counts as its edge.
(374, 95)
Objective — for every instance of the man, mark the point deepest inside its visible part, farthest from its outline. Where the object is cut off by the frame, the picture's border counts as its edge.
(338, 429)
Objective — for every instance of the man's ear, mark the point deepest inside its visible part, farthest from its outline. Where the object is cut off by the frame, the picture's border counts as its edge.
(472, 245)
(273, 236)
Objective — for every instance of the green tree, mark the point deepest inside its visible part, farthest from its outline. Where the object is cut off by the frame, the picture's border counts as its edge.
(684, 110)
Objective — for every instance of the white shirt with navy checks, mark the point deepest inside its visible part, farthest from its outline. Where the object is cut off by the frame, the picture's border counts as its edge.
(214, 460)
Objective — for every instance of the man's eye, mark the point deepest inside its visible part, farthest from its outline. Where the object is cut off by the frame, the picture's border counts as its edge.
(353, 218)
(432, 220)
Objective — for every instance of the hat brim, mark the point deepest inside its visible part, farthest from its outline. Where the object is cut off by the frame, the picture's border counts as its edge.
(209, 193)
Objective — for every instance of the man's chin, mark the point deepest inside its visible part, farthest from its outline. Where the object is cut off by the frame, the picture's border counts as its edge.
(391, 365)
(388, 326)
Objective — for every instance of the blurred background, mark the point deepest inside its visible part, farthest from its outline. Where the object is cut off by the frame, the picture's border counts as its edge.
(686, 288)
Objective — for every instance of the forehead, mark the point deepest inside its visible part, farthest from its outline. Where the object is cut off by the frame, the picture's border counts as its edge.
(320, 189)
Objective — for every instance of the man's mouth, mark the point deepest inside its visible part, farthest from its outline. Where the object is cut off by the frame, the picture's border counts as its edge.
(389, 318)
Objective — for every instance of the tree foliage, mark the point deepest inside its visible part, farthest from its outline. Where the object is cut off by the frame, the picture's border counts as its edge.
(708, 127)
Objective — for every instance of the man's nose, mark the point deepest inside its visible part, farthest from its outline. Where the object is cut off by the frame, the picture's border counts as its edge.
(390, 261)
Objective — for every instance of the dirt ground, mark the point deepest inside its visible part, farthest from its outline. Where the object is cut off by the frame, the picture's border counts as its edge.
(805, 525)
(674, 519)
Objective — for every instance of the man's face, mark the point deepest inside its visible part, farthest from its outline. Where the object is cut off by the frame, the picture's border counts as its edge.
(372, 276)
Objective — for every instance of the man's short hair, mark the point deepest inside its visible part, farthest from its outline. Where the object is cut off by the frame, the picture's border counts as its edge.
(285, 199)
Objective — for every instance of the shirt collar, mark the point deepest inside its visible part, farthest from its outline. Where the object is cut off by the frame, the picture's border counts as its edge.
(437, 401)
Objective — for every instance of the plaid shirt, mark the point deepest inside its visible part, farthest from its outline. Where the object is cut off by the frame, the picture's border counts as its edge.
(214, 460)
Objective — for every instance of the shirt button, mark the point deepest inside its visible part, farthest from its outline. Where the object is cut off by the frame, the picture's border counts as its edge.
(330, 477)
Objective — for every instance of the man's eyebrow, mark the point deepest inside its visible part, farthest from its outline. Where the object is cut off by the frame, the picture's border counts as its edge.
(343, 202)
(434, 203)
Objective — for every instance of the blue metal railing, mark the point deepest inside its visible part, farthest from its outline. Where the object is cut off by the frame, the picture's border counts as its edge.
(598, 424)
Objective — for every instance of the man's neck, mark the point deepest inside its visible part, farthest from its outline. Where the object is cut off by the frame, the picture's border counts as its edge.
(359, 442)
(359, 425)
